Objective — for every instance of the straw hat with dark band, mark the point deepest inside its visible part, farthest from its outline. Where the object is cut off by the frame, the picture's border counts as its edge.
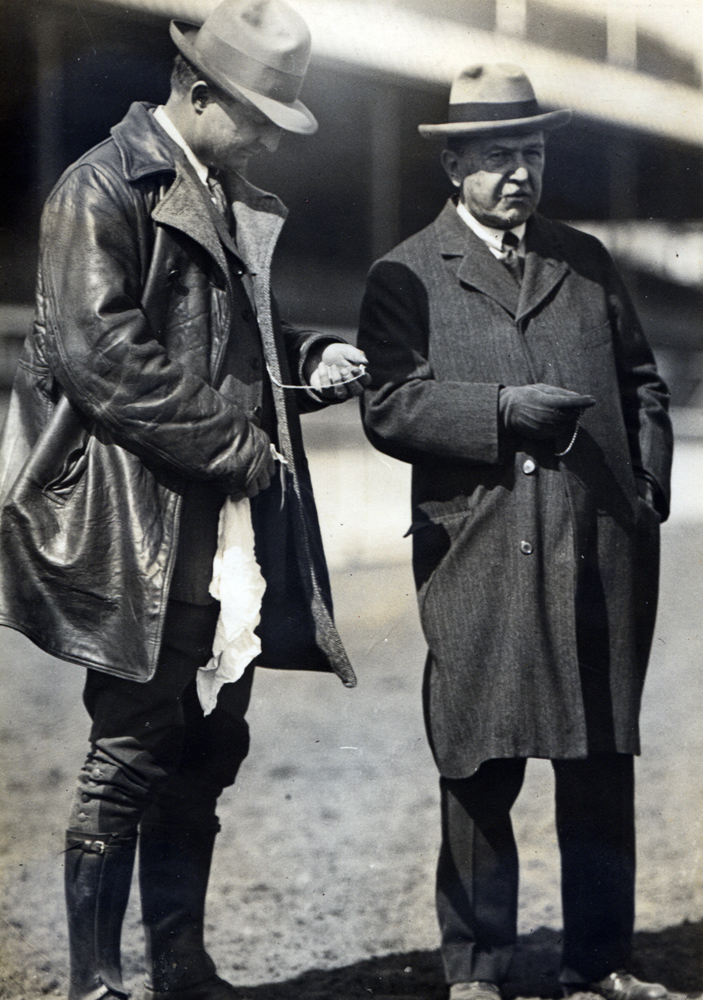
(256, 49)
(493, 97)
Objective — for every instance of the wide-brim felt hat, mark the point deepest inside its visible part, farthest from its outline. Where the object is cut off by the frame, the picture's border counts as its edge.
(493, 97)
(258, 50)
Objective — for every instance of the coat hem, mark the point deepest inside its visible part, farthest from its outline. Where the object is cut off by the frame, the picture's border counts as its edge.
(60, 654)
(558, 755)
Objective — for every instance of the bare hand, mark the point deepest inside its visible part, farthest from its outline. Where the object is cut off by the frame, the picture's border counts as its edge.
(341, 372)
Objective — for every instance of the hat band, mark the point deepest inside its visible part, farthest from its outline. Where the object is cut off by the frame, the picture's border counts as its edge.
(485, 111)
(231, 64)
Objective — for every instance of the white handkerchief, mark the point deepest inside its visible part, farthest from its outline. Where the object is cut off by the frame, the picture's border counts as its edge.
(238, 585)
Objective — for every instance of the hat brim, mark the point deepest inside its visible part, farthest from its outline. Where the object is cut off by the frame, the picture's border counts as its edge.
(294, 117)
(535, 123)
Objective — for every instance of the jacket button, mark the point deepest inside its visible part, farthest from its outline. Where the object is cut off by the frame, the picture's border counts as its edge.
(529, 466)
(257, 412)
(246, 313)
(255, 364)
(526, 548)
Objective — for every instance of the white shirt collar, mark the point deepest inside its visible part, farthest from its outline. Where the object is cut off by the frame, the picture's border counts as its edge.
(493, 238)
(171, 130)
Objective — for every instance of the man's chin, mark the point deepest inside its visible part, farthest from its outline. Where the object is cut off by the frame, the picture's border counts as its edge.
(516, 214)
(507, 218)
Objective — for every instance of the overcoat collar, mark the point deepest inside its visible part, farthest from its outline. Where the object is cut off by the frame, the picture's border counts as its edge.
(545, 266)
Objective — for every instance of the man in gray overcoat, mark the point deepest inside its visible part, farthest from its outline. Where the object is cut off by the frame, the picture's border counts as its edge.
(154, 385)
(510, 369)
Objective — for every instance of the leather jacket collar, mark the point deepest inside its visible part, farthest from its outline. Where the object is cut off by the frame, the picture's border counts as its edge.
(146, 149)
(143, 145)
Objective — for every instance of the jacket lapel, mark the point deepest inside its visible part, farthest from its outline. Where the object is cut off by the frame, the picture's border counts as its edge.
(545, 266)
(183, 208)
(475, 264)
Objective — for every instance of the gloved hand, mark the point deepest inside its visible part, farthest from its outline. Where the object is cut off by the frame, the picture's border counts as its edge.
(263, 469)
(258, 463)
(541, 411)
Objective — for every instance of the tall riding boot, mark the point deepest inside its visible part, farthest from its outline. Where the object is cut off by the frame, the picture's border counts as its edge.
(115, 786)
(174, 868)
(98, 873)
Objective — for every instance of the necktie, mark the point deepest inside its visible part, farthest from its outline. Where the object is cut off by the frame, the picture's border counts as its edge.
(219, 198)
(512, 260)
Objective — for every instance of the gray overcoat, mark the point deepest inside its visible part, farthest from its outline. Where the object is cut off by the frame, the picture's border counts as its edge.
(537, 574)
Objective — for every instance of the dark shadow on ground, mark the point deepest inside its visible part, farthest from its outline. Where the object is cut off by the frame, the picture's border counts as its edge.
(673, 956)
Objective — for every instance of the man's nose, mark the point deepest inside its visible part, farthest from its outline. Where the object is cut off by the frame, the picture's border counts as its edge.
(519, 173)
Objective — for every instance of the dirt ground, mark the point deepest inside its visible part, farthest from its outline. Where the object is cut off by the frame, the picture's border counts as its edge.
(323, 884)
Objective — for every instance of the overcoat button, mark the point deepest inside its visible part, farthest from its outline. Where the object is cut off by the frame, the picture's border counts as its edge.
(529, 466)
(526, 548)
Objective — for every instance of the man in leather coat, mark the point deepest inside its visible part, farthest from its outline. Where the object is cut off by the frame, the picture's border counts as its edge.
(155, 383)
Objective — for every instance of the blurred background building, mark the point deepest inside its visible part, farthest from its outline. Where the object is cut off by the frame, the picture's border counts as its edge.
(629, 168)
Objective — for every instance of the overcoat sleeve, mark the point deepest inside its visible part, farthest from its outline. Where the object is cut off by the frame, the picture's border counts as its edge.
(407, 413)
(105, 355)
(643, 394)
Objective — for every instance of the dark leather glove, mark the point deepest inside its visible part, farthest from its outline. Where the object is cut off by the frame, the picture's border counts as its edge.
(257, 463)
(541, 411)
(261, 471)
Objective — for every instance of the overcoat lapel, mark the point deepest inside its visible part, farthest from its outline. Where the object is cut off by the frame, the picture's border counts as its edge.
(475, 264)
(260, 217)
(545, 266)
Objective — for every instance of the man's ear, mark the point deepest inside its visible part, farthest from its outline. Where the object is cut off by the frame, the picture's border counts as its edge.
(200, 96)
(450, 162)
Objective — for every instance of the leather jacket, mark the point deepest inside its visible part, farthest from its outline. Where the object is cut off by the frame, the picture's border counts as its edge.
(114, 409)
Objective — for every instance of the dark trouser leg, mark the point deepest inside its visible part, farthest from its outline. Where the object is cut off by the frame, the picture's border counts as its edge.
(177, 836)
(477, 874)
(136, 740)
(596, 831)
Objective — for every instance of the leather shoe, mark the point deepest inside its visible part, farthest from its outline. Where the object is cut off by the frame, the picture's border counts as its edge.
(477, 989)
(624, 986)
(213, 988)
(620, 986)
